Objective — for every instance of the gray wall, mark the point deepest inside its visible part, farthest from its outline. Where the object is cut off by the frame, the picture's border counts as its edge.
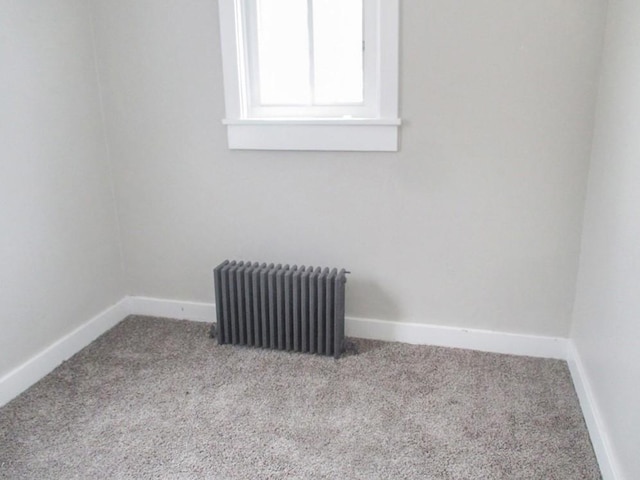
(476, 221)
(59, 251)
(606, 328)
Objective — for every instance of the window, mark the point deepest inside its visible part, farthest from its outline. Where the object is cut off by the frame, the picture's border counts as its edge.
(306, 59)
(311, 74)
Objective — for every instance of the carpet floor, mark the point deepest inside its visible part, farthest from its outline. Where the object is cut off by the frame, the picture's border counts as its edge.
(157, 398)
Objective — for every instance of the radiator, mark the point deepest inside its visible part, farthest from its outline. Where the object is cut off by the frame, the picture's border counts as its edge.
(299, 309)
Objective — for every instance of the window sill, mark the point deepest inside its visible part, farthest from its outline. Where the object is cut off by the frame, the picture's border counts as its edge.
(331, 134)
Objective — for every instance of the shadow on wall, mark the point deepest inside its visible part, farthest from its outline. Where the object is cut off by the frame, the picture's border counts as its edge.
(367, 299)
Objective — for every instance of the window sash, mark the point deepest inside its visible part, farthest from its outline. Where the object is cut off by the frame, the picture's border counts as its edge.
(250, 72)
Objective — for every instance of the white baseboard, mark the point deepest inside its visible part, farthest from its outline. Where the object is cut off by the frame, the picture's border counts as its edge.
(21, 378)
(484, 340)
(178, 309)
(592, 416)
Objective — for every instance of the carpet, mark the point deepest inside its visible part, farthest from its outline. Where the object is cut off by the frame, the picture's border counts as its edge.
(157, 398)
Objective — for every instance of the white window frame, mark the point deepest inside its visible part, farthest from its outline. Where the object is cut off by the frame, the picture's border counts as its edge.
(372, 128)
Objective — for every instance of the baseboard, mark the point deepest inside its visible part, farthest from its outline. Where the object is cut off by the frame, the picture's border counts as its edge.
(471, 339)
(488, 341)
(18, 380)
(592, 416)
(178, 309)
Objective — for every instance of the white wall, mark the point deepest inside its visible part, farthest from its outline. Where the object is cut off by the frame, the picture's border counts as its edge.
(606, 328)
(58, 233)
(475, 223)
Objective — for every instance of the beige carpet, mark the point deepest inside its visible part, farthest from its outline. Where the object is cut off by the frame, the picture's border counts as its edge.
(157, 398)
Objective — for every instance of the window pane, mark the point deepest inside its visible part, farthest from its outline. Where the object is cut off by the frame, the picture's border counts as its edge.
(283, 52)
(338, 56)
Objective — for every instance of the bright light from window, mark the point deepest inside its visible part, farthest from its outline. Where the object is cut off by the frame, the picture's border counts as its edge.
(283, 52)
(338, 63)
(312, 59)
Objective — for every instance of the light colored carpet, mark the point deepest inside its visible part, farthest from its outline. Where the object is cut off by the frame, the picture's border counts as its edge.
(157, 398)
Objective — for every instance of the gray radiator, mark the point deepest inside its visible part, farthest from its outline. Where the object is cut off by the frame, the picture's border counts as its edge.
(299, 309)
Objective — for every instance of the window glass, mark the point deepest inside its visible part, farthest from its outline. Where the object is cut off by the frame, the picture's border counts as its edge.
(337, 51)
(283, 52)
(309, 57)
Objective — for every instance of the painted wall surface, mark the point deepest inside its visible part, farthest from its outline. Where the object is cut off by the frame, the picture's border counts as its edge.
(60, 257)
(474, 223)
(606, 327)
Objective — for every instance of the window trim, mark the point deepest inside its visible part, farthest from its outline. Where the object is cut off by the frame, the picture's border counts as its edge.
(374, 132)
